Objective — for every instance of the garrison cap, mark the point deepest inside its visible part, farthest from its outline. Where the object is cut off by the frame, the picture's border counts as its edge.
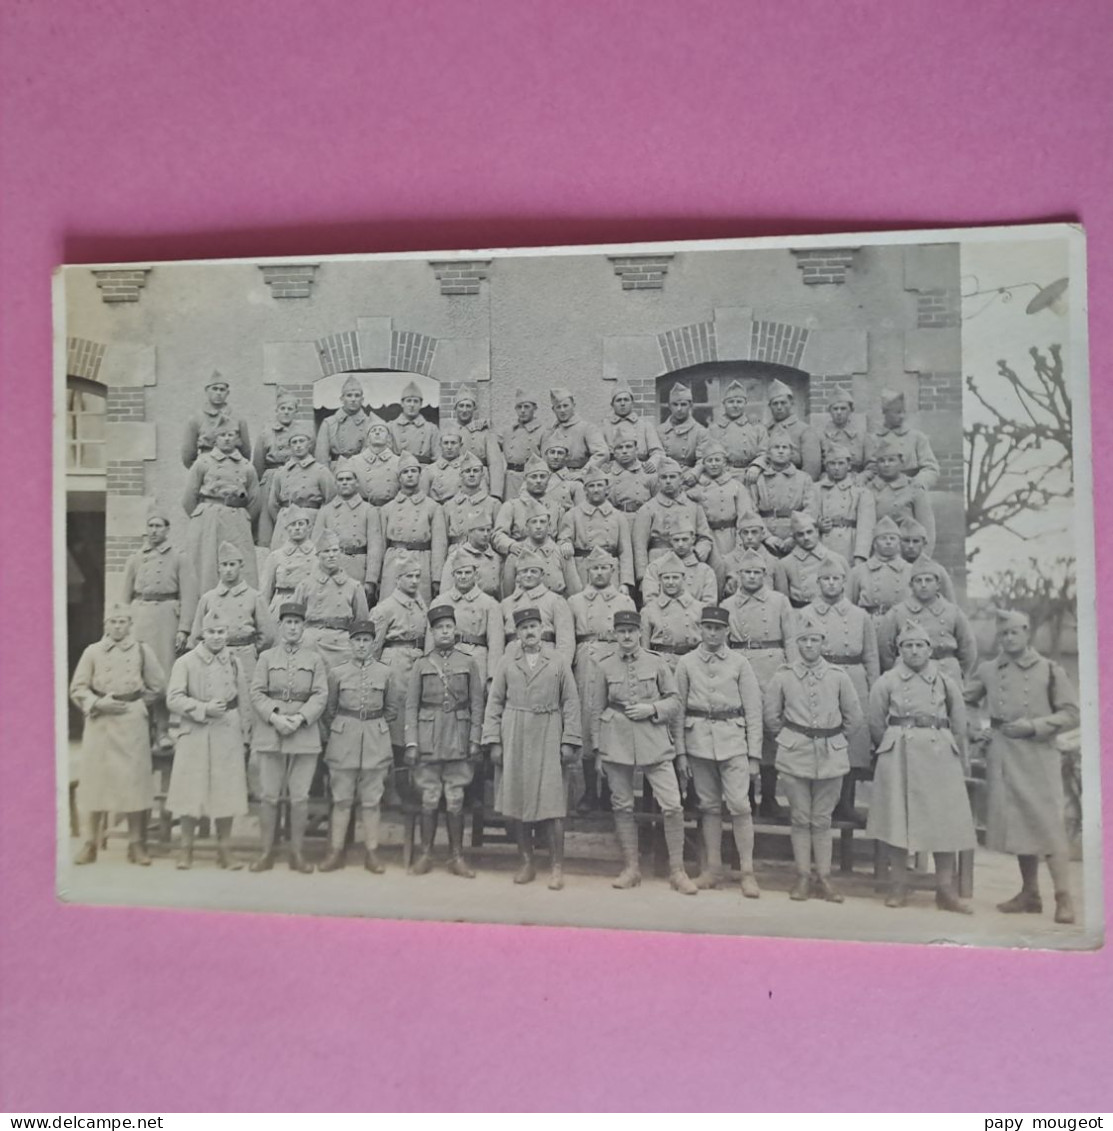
(351, 385)
(885, 525)
(679, 392)
(411, 390)
(736, 389)
(327, 540)
(890, 398)
(627, 618)
(836, 451)
(670, 563)
(524, 616)
(714, 614)
(228, 550)
(462, 563)
(778, 435)
(1012, 618)
(407, 561)
(910, 528)
(216, 378)
(714, 448)
(595, 475)
(377, 426)
(801, 520)
(832, 564)
(441, 612)
(118, 609)
(536, 463)
(470, 459)
(155, 509)
(751, 522)
(215, 618)
(624, 434)
(556, 443)
(925, 565)
(560, 393)
(599, 556)
(451, 428)
(522, 397)
(476, 520)
(840, 394)
(286, 398)
(887, 448)
(294, 513)
(407, 460)
(777, 388)
(468, 392)
(621, 387)
(361, 628)
(291, 609)
(529, 560)
(750, 559)
(344, 466)
(301, 428)
(670, 466)
(913, 631)
(807, 624)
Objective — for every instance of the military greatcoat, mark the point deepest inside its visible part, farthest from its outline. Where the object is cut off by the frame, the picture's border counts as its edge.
(222, 493)
(160, 587)
(356, 523)
(413, 523)
(400, 624)
(586, 526)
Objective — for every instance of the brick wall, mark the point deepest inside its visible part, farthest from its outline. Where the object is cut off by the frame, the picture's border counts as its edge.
(125, 477)
(937, 309)
(304, 393)
(688, 345)
(645, 397)
(122, 285)
(940, 392)
(411, 352)
(459, 277)
(338, 353)
(290, 280)
(820, 388)
(118, 548)
(124, 404)
(83, 358)
(825, 265)
(778, 342)
(641, 272)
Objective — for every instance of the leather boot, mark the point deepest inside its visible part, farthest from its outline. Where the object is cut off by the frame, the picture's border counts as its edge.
(711, 828)
(946, 899)
(626, 831)
(556, 854)
(1024, 902)
(898, 877)
(88, 853)
(268, 824)
(371, 861)
(674, 841)
(137, 854)
(423, 865)
(742, 826)
(1064, 907)
(457, 865)
(338, 834)
(802, 889)
(526, 873)
(844, 809)
(186, 827)
(824, 889)
(224, 855)
(299, 818)
(769, 810)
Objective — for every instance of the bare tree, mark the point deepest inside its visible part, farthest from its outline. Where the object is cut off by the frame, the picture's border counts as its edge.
(1005, 477)
(1045, 590)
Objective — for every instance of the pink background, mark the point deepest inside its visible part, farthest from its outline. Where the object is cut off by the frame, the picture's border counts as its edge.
(143, 130)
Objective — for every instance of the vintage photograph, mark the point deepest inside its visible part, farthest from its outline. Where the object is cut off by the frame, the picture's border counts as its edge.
(729, 587)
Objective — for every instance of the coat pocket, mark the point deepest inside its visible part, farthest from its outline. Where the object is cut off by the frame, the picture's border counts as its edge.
(606, 715)
(338, 725)
(888, 742)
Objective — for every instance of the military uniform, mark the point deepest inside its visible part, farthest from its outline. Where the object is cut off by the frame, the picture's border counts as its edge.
(222, 493)
(480, 632)
(520, 443)
(417, 436)
(559, 573)
(631, 487)
(877, 584)
(510, 524)
(700, 582)
(565, 488)
(399, 634)
(272, 451)
(587, 526)
(488, 568)
(853, 438)
(332, 601)
(557, 627)
(647, 443)
(460, 506)
(670, 626)
(284, 570)
(807, 452)
(356, 523)
(585, 443)
(795, 575)
(946, 585)
(732, 563)
(726, 502)
(741, 439)
(251, 628)
(918, 460)
(344, 435)
(479, 439)
(201, 430)
(780, 493)
(682, 442)
(413, 524)
(899, 499)
(954, 646)
(849, 511)
(657, 519)
(302, 483)
(440, 480)
(377, 475)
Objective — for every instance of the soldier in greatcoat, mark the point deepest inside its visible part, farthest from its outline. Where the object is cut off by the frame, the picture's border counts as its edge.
(286, 567)
(480, 632)
(720, 731)
(657, 518)
(560, 573)
(376, 467)
(289, 692)
(413, 528)
(211, 715)
(751, 539)
(479, 440)
(271, 451)
(594, 523)
(725, 500)
(670, 620)
(532, 731)
(332, 600)
(809, 706)
(358, 752)
(521, 442)
(565, 485)
(781, 490)
(356, 523)
(631, 485)
(343, 434)
(781, 419)
(116, 680)
(624, 420)
(913, 539)
(531, 592)
(681, 434)
(584, 441)
(761, 628)
(303, 482)
(400, 623)
(161, 590)
(881, 581)
(843, 431)
(699, 578)
(202, 426)
(510, 535)
(918, 461)
(444, 719)
(411, 432)
(221, 496)
(850, 643)
(593, 610)
(796, 574)
(846, 514)
(1030, 700)
(918, 802)
(740, 437)
(476, 548)
(633, 728)
(898, 497)
(440, 480)
(471, 496)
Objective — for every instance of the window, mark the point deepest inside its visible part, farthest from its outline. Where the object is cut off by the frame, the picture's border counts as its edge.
(708, 381)
(85, 401)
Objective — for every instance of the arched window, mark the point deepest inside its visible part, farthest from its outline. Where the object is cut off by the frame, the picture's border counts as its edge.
(382, 390)
(708, 381)
(85, 402)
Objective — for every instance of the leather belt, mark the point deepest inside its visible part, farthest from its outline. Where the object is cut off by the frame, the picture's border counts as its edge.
(813, 732)
(237, 500)
(292, 696)
(775, 512)
(846, 661)
(577, 466)
(472, 638)
(362, 714)
(232, 704)
(405, 642)
(124, 697)
(757, 645)
(354, 548)
(284, 588)
(714, 713)
(943, 653)
(242, 641)
(328, 622)
(843, 522)
(734, 461)
(659, 542)
(595, 637)
(628, 507)
(424, 459)
(310, 504)
(533, 710)
(797, 603)
(927, 722)
(722, 523)
(672, 649)
(393, 545)
(515, 466)
(578, 553)
(880, 609)
(155, 597)
(997, 723)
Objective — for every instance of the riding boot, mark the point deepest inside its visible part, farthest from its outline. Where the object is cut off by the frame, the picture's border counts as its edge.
(556, 854)
(524, 834)
(844, 809)
(770, 810)
(590, 800)
(424, 863)
(457, 865)
(743, 827)
(898, 877)
(372, 816)
(338, 835)
(299, 818)
(187, 827)
(801, 838)
(268, 825)
(626, 831)
(674, 842)
(821, 847)
(88, 853)
(711, 827)
(137, 854)
(946, 896)
(224, 855)
(1027, 900)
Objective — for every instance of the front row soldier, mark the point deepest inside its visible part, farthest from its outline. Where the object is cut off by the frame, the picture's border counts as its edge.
(476, 549)
(532, 727)
(1030, 700)
(289, 692)
(116, 681)
(444, 718)
(919, 803)
(358, 753)
(720, 731)
(635, 709)
(210, 713)
(809, 707)
(480, 632)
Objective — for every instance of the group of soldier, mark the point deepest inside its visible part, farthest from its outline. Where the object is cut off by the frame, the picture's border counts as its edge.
(719, 607)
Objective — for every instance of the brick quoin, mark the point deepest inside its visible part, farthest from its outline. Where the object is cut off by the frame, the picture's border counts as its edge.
(121, 285)
(688, 345)
(125, 477)
(823, 266)
(124, 404)
(461, 277)
(338, 353)
(118, 548)
(290, 280)
(304, 393)
(641, 272)
(411, 352)
(83, 358)
(937, 309)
